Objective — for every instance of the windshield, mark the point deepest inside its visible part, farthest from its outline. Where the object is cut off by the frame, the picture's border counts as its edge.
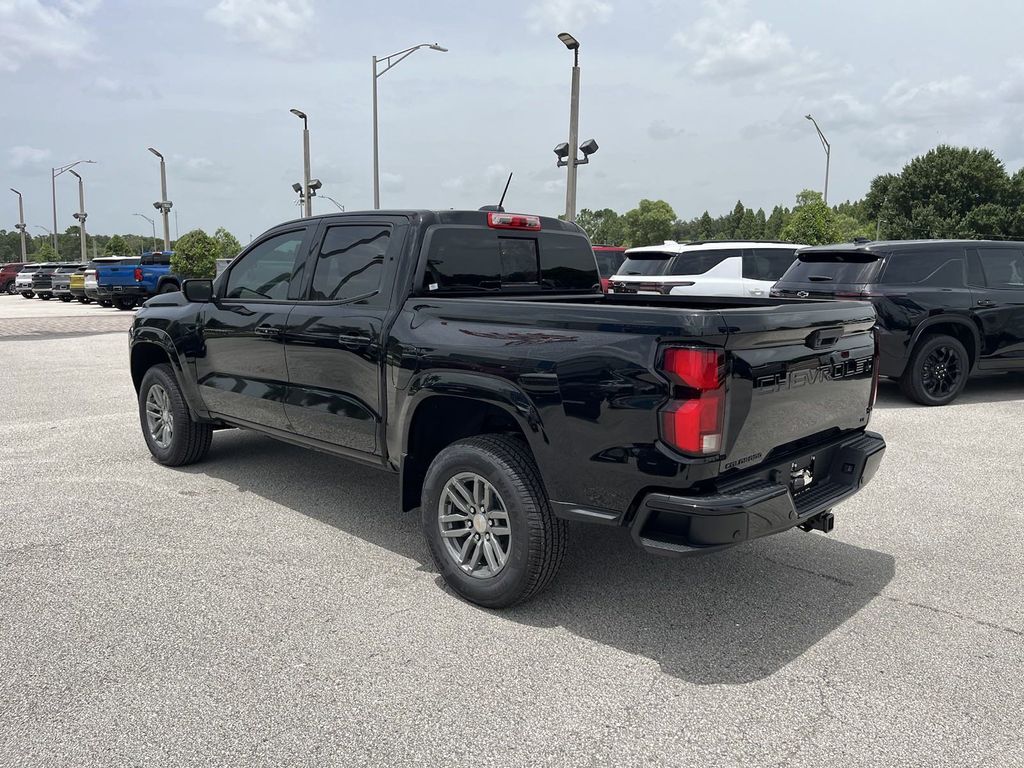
(646, 264)
(837, 267)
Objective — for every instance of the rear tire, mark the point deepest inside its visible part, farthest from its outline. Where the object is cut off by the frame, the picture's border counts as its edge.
(9, 288)
(45, 296)
(937, 372)
(65, 299)
(27, 294)
(512, 499)
(171, 434)
(104, 303)
(124, 304)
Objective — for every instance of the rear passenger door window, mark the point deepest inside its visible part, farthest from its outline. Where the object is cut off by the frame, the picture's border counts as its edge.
(350, 262)
(699, 262)
(1003, 267)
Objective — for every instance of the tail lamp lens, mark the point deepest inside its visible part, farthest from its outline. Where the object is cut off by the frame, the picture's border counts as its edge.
(693, 421)
(138, 275)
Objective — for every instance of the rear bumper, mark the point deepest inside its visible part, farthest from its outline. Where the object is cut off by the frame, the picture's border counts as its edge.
(130, 291)
(670, 524)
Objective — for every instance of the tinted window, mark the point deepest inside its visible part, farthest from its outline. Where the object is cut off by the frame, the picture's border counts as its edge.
(609, 261)
(28, 268)
(646, 264)
(466, 258)
(163, 259)
(350, 262)
(940, 268)
(266, 271)
(836, 267)
(767, 263)
(1004, 267)
(699, 262)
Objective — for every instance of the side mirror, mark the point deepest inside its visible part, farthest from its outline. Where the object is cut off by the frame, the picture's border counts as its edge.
(198, 290)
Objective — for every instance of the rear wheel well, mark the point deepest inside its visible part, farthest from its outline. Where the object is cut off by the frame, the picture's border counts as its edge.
(958, 331)
(144, 357)
(437, 423)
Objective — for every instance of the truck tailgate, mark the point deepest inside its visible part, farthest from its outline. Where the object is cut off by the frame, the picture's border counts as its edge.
(119, 275)
(799, 371)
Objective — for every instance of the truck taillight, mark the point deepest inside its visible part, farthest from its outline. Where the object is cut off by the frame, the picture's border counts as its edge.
(138, 275)
(693, 421)
(512, 221)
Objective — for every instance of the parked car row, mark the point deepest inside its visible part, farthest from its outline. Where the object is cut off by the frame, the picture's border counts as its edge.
(945, 308)
(119, 281)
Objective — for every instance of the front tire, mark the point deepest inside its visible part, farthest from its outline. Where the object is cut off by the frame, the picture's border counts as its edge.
(488, 522)
(171, 434)
(65, 299)
(27, 294)
(937, 371)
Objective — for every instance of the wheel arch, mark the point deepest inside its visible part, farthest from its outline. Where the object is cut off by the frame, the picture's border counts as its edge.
(961, 329)
(441, 413)
(151, 346)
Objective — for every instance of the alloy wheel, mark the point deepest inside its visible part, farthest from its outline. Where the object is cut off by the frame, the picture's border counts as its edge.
(942, 371)
(159, 419)
(475, 525)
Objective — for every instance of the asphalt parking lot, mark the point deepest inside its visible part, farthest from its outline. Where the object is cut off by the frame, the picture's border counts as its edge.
(272, 606)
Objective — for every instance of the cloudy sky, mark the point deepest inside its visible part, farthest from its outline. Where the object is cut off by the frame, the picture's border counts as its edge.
(698, 103)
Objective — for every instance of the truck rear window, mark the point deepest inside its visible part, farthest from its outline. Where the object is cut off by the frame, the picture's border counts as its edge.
(838, 267)
(470, 258)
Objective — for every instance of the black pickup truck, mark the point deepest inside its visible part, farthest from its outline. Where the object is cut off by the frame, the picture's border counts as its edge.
(469, 352)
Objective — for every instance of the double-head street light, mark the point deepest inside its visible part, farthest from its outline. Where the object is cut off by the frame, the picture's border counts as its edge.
(305, 192)
(828, 153)
(566, 152)
(54, 173)
(20, 226)
(81, 215)
(164, 205)
(306, 198)
(388, 62)
(151, 223)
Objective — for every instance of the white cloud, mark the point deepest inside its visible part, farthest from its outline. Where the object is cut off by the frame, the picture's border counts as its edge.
(561, 15)
(22, 156)
(661, 130)
(115, 88)
(937, 98)
(277, 26)
(33, 30)
(392, 182)
(727, 47)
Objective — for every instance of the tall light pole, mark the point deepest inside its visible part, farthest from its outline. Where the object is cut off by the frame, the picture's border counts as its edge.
(339, 205)
(164, 205)
(151, 223)
(20, 226)
(81, 215)
(389, 62)
(305, 160)
(566, 153)
(54, 173)
(828, 153)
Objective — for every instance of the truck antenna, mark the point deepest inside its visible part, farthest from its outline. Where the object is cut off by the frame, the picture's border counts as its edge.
(505, 192)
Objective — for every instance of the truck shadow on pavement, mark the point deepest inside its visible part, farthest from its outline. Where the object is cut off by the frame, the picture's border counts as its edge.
(729, 617)
(986, 388)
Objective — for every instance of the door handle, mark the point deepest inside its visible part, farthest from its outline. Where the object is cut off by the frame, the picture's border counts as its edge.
(756, 292)
(986, 303)
(268, 330)
(352, 340)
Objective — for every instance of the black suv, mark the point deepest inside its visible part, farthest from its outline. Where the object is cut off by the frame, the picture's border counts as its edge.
(945, 307)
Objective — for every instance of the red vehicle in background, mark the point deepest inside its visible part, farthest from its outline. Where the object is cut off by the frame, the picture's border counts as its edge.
(609, 259)
(7, 273)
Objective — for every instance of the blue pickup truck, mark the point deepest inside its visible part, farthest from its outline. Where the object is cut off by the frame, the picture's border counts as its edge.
(131, 284)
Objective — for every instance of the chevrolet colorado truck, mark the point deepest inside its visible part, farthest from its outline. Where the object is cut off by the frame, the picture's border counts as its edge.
(132, 284)
(470, 353)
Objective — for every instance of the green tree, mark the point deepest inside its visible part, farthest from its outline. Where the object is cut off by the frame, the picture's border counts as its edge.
(603, 227)
(747, 228)
(44, 252)
(812, 222)
(776, 221)
(650, 223)
(935, 194)
(116, 246)
(227, 244)
(195, 255)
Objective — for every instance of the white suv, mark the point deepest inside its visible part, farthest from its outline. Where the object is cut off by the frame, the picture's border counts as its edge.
(713, 268)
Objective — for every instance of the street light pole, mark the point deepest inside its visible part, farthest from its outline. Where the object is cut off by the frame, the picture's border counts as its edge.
(152, 224)
(389, 62)
(573, 45)
(165, 205)
(305, 161)
(81, 215)
(828, 153)
(340, 206)
(54, 173)
(20, 226)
